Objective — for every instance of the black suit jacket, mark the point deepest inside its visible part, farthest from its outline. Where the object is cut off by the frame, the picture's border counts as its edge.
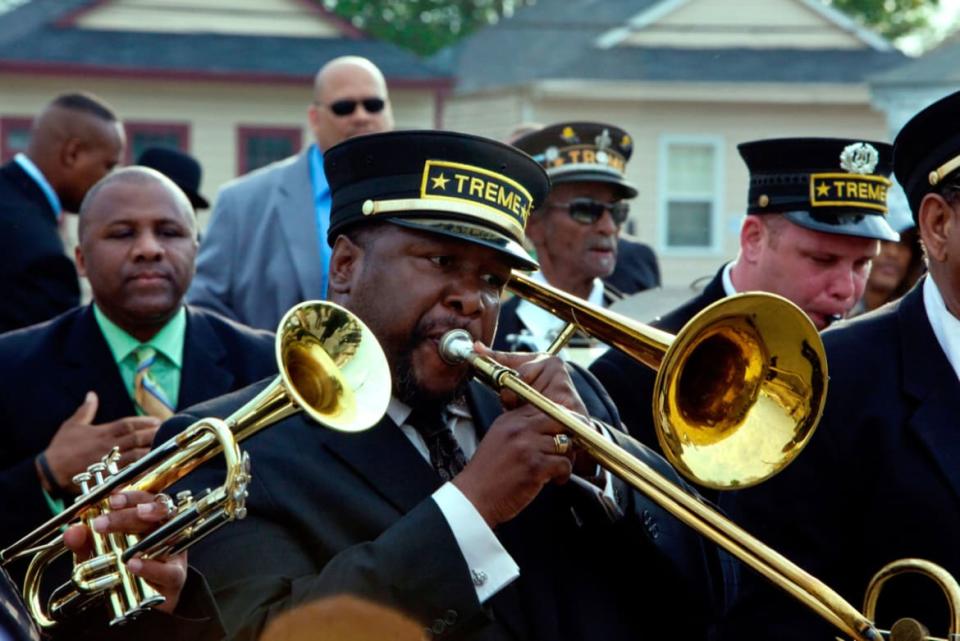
(879, 480)
(37, 279)
(47, 370)
(331, 513)
(630, 383)
(637, 268)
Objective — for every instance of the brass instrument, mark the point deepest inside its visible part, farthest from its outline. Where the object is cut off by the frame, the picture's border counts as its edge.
(331, 367)
(739, 390)
(741, 352)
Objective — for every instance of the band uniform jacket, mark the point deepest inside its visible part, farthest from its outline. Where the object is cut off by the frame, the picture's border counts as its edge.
(260, 255)
(879, 480)
(630, 383)
(637, 268)
(47, 370)
(332, 512)
(37, 279)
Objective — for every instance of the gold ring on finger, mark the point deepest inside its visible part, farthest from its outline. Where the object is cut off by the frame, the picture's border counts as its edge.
(561, 444)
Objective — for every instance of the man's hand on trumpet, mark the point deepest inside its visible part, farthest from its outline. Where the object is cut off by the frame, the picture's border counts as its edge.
(136, 512)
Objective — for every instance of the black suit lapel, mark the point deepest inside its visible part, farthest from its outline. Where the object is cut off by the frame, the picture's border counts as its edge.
(932, 382)
(90, 366)
(205, 372)
(388, 460)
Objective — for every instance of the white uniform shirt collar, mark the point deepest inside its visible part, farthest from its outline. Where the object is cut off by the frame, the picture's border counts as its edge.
(34, 172)
(946, 326)
(543, 325)
(728, 287)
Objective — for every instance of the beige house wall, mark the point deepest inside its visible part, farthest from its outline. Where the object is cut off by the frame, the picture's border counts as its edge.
(731, 119)
(701, 24)
(254, 17)
(213, 110)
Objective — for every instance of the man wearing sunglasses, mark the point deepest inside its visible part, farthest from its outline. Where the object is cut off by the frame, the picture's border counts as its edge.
(265, 248)
(576, 233)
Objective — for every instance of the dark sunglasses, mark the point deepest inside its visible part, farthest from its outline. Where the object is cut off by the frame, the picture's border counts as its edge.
(587, 211)
(347, 107)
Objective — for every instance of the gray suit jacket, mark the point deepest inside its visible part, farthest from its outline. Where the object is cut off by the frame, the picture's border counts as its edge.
(261, 255)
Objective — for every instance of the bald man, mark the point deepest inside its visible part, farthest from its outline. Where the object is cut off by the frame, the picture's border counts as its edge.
(106, 374)
(265, 249)
(74, 142)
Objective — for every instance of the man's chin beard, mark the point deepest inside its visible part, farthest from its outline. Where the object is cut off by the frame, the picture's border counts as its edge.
(410, 391)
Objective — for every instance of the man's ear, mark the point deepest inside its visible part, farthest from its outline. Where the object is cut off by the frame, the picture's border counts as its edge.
(934, 220)
(70, 151)
(753, 236)
(81, 262)
(346, 263)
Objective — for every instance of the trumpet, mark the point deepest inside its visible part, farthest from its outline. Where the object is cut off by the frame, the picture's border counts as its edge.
(738, 394)
(331, 367)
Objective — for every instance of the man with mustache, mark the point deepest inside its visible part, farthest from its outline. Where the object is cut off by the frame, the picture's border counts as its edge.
(468, 512)
(576, 231)
(815, 215)
(106, 375)
(265, 248)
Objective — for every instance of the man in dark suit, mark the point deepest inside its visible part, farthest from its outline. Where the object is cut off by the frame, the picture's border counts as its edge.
(81, 383)
(526, 539)
(74, 142)
(812, 251)
(576, 231)
(265, 248)
(879, 481)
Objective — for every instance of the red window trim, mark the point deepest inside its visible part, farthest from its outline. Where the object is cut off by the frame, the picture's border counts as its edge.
(180, 129)
(245, 132)
(11, 122)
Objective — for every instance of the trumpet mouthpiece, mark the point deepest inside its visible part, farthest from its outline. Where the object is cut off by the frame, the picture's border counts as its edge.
(455, 346)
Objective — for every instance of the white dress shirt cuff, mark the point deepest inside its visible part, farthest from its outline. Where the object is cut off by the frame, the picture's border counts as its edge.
(491, 567)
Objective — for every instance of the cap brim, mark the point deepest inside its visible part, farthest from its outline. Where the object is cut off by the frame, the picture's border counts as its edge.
(580, 176)
(853, 224)
(510, 249)
(198, 201)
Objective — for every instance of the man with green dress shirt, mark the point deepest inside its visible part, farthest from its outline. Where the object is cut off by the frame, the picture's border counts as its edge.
(106, 374)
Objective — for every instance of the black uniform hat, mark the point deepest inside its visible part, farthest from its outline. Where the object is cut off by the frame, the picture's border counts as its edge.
(926, 152)
(467, 187)
(181, 168)
(831, 185)
(582, 152)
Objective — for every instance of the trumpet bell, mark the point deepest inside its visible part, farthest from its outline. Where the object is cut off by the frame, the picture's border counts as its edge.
(333, 367)
(740, 391)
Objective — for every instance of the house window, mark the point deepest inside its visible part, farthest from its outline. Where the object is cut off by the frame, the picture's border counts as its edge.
(259, 146)
(14, 137)
(142, 135)
(690, 185)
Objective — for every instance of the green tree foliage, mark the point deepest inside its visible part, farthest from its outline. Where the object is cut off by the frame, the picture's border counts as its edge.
(423, 26)
(890, 18)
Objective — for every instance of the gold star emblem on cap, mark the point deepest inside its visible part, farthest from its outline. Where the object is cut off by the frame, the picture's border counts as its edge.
(823, 190)
(440, 182)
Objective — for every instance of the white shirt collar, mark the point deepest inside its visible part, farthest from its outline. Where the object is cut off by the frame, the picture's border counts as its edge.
(728, 287)
(34, 172)
(543, 325)
(946, 326)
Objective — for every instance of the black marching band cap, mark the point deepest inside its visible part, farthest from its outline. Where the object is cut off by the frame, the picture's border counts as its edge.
(467, 187)
(582, 152)
(183, 169)
(926, 152)
(831, 185)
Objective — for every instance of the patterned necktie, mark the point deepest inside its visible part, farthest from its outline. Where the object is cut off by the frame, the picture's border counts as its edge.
(147, 394)
(445, 454)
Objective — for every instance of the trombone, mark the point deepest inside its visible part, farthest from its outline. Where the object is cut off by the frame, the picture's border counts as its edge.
(331, 367)
(738, 394)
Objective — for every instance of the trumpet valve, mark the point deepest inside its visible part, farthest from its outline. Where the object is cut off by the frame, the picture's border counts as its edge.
(82, 480)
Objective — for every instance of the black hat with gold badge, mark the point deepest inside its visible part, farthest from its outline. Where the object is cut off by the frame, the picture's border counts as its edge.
(467, 187)
(582, 152)
(830, 185)
(926, 152)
